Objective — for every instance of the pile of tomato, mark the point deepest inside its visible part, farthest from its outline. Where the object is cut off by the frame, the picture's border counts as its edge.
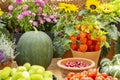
(87, 41)
(91, 74)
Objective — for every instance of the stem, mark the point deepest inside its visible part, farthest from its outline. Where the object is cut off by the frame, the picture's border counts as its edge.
(35, 30)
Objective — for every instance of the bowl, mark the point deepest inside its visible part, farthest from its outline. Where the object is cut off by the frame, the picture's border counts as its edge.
(83, 64)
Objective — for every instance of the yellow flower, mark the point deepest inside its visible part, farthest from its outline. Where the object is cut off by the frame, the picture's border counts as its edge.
(92, 5)
(1, 12)
(107, 8)
(68, 7)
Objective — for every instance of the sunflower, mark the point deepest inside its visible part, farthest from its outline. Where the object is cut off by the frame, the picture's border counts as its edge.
(1, 12)
(68, 7)
(107, 8)
(92, 5)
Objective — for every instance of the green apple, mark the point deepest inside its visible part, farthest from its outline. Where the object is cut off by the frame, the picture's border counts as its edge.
(5, 73)
(26, 75)
(21, 68)
(36, 77)
(48, 78)
(17, 76)
(40, 71)
(48, 74)
(32, 71)
(13, 71)
(9, 78)
(27, 65)
(37, 67)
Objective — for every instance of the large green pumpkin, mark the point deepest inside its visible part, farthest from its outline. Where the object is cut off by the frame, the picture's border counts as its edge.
(35, 48)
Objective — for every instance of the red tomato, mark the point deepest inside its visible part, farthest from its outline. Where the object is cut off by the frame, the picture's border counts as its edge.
(83, 40)
(83, 47)
(100, 78)
(86, 78)
(89, 42)
(83, 34)
(104, 75)
(92, 73)
(91, 48)
(73, 38)
(74, 46)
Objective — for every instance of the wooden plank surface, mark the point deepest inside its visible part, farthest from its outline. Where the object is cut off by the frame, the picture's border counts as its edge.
(54, 68)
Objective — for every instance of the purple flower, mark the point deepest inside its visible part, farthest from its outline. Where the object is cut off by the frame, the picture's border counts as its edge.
(20, 17)
(25, 7)
(40, 9)
(26, 13)
(48, 19)
(35, 23)
(18, 1)
(9, 14)
(10, 7)
(1, 55)
(40, 2)
(41, 21)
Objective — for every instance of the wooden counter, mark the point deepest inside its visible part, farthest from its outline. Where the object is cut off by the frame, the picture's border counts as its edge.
(54, 68)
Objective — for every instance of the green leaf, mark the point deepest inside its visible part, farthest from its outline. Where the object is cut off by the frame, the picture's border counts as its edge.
(113, 32)
(83, 12)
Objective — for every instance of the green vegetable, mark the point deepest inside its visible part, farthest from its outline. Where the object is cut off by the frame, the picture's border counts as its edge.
(34, 47)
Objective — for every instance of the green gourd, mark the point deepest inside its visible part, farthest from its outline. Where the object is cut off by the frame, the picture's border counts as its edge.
(34, 47)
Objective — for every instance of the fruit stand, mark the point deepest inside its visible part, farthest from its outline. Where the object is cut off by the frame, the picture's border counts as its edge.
(59, 40)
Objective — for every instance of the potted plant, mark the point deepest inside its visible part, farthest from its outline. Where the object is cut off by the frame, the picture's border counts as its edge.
(66, 14)
(23, 16)
(88, 39)
(108, 16)
(6, 52)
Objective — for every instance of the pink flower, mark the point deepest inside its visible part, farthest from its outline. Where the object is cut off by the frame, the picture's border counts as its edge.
(35, 23)
(10, 7)
(18, 1)
(20, 17)
(40, 9)
(9, 14)
(41, 21)
(55, 20)
(48, 19)
(40, 2)
(25, 7)
(26, 13)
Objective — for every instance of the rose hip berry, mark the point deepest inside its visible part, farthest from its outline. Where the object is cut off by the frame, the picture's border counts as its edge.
(76, 64)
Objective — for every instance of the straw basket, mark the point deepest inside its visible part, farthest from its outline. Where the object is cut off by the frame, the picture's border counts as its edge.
(79, 3)
(89, 55)
(4, 5)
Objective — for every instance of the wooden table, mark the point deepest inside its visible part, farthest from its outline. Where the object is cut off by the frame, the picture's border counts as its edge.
(54, 68)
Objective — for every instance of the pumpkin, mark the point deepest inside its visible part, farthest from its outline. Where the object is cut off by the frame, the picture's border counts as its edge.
(34, 47)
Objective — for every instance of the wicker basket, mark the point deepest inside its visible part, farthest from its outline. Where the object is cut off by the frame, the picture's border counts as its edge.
(79, 3)
(4, 4)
